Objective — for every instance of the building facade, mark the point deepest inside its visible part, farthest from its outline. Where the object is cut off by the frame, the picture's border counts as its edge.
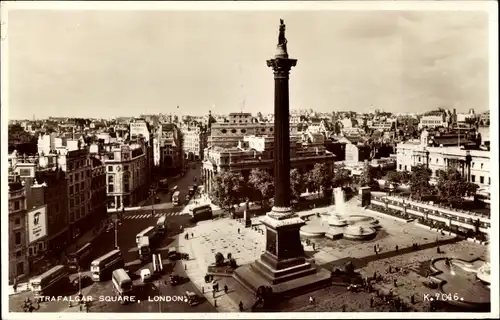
(126, 174)
(98, 194)
(194, 142)
(258, 152)
(473, 165)
(18, 253)
(432, 122)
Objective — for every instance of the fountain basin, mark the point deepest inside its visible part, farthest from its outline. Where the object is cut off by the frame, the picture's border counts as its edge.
(459, 281)
(309, 230)
(359, 232)
(483, 273)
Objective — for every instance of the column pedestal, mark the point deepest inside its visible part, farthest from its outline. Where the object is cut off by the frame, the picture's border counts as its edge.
(283, 266)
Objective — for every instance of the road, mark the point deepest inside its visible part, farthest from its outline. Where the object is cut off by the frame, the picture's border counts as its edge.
(133, 223)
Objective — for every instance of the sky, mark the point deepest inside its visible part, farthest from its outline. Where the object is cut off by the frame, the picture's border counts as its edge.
(127, 63)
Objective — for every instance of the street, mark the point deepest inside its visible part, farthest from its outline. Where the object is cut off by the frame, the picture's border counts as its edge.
(132, 223)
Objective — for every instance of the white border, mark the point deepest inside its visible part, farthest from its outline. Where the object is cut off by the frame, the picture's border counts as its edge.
(489, 6)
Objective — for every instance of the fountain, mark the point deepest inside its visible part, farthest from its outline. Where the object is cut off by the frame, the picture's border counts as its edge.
(460, 278)
(336, 219)
(338, 224)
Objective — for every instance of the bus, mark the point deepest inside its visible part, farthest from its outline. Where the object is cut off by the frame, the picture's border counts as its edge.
(201, 213)
(102, 267)
(50, 282)
(142, 233)
(175, 198)
(161, 224)
(144, 249)
(122, 285)
(80, 258)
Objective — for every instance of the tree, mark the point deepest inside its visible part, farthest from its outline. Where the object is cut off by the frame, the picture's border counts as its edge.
(419, 181)
(367, 178)
(227, 189)
(394, 178)
(452, 187)
(341, 177)
(321, 178)
(262, 183)
(296, 184)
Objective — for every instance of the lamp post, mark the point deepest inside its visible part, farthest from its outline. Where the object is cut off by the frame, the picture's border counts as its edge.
(116, 232)
(152, 193)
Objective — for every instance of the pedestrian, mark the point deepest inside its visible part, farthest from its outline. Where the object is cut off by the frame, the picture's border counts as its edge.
(375, 249)
(225, 288)
(311, 300)
(390, 269)
(213, 294)
(238, 230)
(240, 305)
(371, 302)
(192, 235)
(344, 308)
(397, 248)
(412, 299)
(395, 283)
(313, 245)
(15, 285)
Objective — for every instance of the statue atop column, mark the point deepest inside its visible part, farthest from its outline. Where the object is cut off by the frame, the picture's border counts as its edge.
(281, 38)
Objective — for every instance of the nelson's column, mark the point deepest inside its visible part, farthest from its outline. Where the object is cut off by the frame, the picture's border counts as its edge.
(283, 266)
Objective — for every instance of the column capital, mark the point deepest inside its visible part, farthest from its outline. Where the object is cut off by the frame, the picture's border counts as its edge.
(281, 66)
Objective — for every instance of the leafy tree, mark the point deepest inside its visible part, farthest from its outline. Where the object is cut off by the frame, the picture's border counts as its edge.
(419, 181)
(262, 183)
(322, 178)
(368, 176)
(341, 177)
(452, 187)
(227, 189)
(394, 178)
(337, 128)
(296, 184)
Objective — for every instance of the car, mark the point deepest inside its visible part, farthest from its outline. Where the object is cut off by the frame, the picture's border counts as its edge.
(145, 275)
(174, 279)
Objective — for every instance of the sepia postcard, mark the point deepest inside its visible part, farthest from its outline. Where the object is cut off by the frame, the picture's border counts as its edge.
(199, 160)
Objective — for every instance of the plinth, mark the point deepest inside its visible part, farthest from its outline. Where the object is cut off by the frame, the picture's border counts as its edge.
(283, 266)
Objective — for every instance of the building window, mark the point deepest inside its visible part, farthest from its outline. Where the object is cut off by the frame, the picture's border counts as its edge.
(473, 178)
(18, 253)
(111, 188)
(18, 238)
(419, 159)
(82, 185)
(71, 203)
(111, 179)
(110, 168)
(473, 165)
(400, 167)
(406, 168)
(70, 178)
(489, 180)
(481, 165)
(16, 205)
(40, 246)
(437, 160)
(125, 168)
(71, 190)
(17, 221)
(481, 180)
(127, 188)
(82, 175)
(77, 188)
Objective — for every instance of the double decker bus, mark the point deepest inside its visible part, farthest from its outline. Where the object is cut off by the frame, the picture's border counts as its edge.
(122, 284)
(175, 198)
(142, 233)
(80, 258)
(102, 267)
(51, 282)
(200, 213)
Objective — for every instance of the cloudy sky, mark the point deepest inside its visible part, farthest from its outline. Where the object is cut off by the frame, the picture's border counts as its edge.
(109, 63)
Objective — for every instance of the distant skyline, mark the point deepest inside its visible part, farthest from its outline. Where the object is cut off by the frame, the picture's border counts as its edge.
(127, 63)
